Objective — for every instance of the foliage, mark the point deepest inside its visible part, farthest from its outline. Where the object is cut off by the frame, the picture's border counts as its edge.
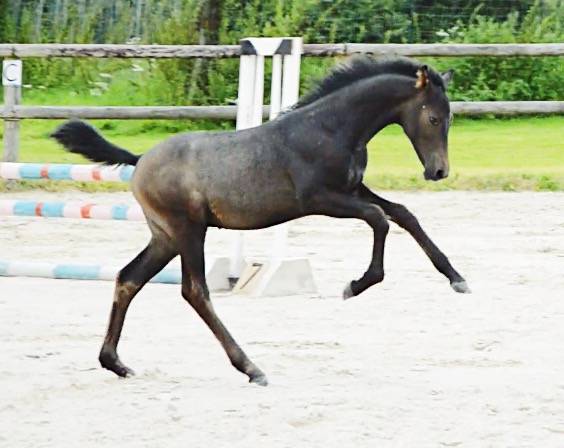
(516, 78)
(178, 82)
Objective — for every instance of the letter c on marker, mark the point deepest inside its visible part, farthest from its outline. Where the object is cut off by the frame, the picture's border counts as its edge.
(11, 72)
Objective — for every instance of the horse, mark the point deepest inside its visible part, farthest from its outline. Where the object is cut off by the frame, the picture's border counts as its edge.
(308, 161)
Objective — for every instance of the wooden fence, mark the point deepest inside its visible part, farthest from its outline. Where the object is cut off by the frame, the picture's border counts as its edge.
(13, 111)
(232, 51)
(229, 112)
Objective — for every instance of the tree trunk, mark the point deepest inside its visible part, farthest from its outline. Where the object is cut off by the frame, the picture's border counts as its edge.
(209, 23)
(38, 20)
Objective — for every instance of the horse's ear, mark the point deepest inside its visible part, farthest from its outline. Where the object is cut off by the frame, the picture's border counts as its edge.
(447, 77)
(422, 77)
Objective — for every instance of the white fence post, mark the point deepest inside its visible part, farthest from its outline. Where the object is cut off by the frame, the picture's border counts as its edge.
(12, 81)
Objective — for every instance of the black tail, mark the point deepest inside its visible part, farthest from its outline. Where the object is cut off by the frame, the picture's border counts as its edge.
(81, 138)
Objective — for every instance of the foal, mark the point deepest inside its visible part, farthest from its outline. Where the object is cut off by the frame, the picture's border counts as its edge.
(309, 161)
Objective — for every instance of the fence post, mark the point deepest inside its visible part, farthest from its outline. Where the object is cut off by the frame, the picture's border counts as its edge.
(12, 81)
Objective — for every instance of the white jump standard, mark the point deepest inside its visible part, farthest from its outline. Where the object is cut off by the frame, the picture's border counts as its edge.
(278, 276)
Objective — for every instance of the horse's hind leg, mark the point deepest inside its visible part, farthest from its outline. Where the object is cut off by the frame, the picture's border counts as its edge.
(405, 219)
(128, 283)
(195, 291)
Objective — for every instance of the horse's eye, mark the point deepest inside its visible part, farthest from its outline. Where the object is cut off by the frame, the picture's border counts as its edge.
(434, 120)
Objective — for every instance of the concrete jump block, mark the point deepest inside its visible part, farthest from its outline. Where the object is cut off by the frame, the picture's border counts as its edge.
(277, 278)
(217, 273)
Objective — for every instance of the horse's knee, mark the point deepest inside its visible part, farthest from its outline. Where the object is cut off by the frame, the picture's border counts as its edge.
(403, 216)
(376, 218)
(382, 226)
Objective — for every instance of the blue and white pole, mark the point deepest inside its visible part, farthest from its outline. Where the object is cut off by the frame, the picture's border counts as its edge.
(77, 271)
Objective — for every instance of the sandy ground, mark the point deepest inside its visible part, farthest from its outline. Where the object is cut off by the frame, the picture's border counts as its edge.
(408, 363)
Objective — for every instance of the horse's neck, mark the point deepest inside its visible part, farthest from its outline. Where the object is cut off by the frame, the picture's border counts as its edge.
(360, 111)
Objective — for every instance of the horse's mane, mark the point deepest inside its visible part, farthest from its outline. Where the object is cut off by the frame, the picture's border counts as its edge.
(361, 67)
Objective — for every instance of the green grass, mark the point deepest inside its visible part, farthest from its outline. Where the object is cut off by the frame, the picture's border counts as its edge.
(485, 154)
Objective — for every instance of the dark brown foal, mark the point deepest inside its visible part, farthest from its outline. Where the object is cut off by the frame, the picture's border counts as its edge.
(310, 160)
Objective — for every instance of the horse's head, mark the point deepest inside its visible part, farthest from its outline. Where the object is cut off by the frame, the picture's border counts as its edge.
(426, 120)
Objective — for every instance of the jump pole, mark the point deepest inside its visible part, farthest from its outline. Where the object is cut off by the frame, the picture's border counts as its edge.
(77, 271)
(280, 275)
(215, 275)
(60, 171)
(217, 268)
(77, 210)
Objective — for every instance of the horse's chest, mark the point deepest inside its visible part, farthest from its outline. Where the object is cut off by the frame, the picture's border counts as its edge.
(356, 167)
(343, 170)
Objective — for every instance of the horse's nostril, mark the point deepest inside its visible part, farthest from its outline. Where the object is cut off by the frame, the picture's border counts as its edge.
(440, 174)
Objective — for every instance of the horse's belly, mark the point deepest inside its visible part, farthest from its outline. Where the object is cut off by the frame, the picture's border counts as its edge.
(252, 210)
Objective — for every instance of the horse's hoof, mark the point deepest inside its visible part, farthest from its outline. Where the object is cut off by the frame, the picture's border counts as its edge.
(120, 370)
(113, 364)
(348, 292)
(259, 380)
(461, 287)
(124, 371)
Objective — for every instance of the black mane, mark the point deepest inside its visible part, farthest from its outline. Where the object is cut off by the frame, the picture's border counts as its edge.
(361, 67)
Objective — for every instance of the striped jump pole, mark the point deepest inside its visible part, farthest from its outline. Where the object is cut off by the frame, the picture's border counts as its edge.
(59, 171)
(77, 271)
(79, 210)
(216, 272)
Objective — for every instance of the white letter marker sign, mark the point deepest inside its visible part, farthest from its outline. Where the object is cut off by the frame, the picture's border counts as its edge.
(12, 73)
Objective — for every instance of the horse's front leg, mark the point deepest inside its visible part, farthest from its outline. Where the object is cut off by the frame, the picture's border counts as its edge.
(342, 205)
(405, 219)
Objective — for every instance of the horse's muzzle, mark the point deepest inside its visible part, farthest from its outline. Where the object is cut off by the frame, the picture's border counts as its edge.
(435, 174)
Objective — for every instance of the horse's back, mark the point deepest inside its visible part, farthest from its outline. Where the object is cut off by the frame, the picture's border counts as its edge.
(228, 179)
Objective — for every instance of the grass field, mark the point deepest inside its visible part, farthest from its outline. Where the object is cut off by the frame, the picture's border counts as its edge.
(485, 154)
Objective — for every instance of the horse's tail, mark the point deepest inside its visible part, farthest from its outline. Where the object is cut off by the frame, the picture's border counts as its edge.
(81, 138)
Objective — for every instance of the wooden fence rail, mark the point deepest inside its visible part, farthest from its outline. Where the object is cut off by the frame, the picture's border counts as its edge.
(13, 111)
(232, 51)
(230, 112)
(123, 112)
